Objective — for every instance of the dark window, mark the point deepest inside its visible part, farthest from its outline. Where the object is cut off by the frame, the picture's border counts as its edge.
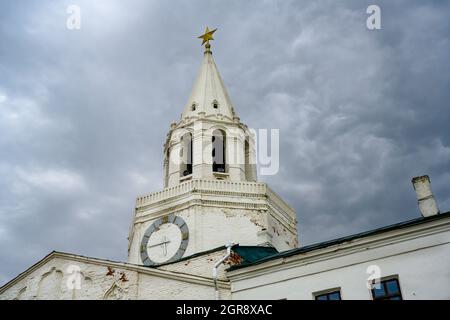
(387, 290)
(248, 166)
(186, 155)
(333, 295)
(218, 151)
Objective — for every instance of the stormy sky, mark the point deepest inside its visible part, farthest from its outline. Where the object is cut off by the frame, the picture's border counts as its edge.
(84, 113)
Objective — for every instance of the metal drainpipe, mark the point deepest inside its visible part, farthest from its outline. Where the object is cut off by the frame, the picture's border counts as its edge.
(216, 266)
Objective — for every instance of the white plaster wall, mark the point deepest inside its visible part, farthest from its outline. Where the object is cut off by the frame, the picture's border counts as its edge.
(202, 131)
(281, 237)
(422, 264)
(157, 288)
(98, 282)
(200, 266)
(174, 162)
(135, 247)
(209, 228)
(212, 227)
(218, 212)
(94, 283)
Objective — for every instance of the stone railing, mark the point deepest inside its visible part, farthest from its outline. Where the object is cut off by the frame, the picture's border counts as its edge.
(239, 187)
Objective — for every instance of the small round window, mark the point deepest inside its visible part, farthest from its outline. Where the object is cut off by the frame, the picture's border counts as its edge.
(215, 104)
(193, 107)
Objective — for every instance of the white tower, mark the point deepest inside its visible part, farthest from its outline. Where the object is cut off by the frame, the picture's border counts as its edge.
(211, 195)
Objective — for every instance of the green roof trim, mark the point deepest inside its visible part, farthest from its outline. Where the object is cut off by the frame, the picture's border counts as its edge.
(329, 243)
(195, 255)
(250, 254)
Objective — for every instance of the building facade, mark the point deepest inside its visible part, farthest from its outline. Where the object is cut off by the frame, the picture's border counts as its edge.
(214, 231)
(408, 261)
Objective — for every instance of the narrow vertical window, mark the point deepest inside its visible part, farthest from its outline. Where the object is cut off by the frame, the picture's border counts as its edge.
(166, 168)
(189, 154)
(186, 155)
(218, 151)
(247, 166)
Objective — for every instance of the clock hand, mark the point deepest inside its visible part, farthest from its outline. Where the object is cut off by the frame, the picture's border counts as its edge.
(163, 243)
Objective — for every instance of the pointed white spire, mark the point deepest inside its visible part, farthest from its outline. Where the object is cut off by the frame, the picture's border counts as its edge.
(209, 95)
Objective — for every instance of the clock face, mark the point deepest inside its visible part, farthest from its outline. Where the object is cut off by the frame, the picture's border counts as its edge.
(164, 241)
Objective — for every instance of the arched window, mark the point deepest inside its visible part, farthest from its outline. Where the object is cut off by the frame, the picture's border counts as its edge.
(166, 168)
(218, 151)
(186, 155)
(248, 167)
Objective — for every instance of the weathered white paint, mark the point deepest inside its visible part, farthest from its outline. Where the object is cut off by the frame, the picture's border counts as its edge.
(425, 197)
(101, 279)
(218, 212)
(199, 266)
(418, 255)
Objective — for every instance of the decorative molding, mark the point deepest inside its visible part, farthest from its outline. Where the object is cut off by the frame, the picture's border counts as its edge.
(219, 187)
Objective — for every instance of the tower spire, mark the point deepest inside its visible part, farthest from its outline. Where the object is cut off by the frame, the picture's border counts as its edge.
(208, 96)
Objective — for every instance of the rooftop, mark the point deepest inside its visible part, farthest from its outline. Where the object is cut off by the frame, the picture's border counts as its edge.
(349, 238)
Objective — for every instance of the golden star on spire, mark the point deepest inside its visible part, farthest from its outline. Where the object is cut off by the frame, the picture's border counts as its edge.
(208, 35)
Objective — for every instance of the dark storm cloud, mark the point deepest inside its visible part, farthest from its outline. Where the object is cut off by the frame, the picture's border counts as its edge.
(84, 113)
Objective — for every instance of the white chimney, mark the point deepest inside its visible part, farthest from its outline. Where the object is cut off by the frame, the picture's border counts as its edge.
(427, 204)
